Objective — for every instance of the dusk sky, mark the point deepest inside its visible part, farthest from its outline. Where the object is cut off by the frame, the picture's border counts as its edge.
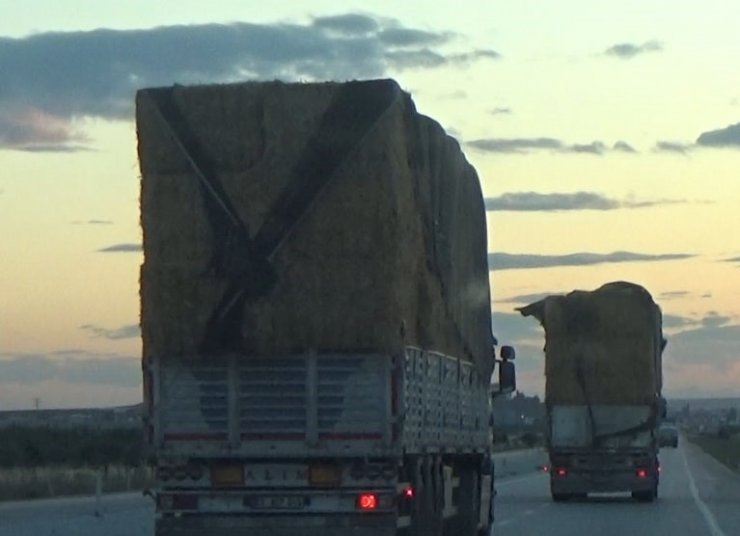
(606, 136)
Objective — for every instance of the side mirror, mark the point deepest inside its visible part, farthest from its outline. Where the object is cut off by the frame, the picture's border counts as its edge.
(506, 376)
(508, 353)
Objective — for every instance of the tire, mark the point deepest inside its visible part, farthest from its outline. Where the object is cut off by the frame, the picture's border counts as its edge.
(560, 497)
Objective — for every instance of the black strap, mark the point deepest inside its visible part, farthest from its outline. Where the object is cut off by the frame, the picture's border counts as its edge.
(245, 262)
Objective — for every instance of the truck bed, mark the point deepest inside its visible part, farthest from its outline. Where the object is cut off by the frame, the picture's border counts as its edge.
(317, 405)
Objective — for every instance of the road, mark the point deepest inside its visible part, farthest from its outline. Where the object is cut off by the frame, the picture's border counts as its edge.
(699, 497)
(128, 514)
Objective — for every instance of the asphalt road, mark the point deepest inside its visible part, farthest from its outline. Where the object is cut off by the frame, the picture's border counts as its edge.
(119, 515)
(698, 496)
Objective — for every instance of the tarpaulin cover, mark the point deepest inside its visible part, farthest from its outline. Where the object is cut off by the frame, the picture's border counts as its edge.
(602, 346)
(282, 218)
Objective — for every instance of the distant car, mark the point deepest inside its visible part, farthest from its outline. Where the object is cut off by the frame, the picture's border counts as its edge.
(668, 436)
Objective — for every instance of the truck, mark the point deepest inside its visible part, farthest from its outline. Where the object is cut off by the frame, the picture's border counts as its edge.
(603, 382)
(315, 314)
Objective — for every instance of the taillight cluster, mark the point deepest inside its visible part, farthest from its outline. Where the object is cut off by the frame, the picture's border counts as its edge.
(560, 471)
(369, 501)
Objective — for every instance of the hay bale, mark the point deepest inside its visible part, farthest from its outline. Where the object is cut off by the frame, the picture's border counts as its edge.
(282, 218)
(602, 347)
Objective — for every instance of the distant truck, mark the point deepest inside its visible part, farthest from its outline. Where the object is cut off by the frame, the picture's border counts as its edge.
(315, 311)
(603, 355)
(668, 435)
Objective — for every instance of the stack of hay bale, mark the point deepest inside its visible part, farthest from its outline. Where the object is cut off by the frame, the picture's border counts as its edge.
(287, 218)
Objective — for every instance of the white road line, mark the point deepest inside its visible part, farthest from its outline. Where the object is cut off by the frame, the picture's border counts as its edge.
(714, 529)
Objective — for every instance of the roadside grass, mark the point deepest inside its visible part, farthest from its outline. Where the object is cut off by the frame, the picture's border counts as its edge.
(17, 484)
(724, 450)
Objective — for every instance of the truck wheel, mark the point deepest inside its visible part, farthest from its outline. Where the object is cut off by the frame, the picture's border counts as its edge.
(468, 502)
(560, 497)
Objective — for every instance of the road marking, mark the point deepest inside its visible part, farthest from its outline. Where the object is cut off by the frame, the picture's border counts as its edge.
(714, 529)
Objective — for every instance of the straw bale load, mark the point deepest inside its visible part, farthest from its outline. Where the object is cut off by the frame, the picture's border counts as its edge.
(288, 218)
(602, 346)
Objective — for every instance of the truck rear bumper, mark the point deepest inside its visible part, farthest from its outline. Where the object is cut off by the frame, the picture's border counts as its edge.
(287, 525)
(575, 483)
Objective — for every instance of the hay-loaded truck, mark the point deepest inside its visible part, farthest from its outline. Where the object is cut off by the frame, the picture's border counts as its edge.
(603, 355)
(317, 346)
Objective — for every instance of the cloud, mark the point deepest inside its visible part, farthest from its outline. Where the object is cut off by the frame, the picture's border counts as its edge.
(724, 137)
(733, 259)
(47, 87)
(93, 222)
(673, 147)
(537, 202)
(30, 129)
(130, 331)
(480, 54)
(716, 345)
(595, 147)
(508, 261)
(122, 248)
(714, 320)
(515, 145)
(501, 110)
(116, 371)
(411, 59)
(675, 321)
(630, 50)
(526, 145)
(624, 147)
(515, 327)
(528, 298)
(410, 37)
(673, 294)
(347, 24)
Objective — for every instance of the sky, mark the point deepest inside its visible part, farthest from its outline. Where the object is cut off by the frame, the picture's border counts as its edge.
(606, 136)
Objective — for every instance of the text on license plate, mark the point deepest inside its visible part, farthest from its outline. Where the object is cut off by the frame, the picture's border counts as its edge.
(286, 502)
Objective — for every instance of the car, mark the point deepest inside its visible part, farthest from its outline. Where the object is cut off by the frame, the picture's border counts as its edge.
(668, 436)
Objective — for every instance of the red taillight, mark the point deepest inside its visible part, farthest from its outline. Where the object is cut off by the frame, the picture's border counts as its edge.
(641, 473)
(408, 493)
(367, 501)
(561, 471)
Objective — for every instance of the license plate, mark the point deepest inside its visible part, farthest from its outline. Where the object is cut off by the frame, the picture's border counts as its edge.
(278, 502)
(227, 475)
